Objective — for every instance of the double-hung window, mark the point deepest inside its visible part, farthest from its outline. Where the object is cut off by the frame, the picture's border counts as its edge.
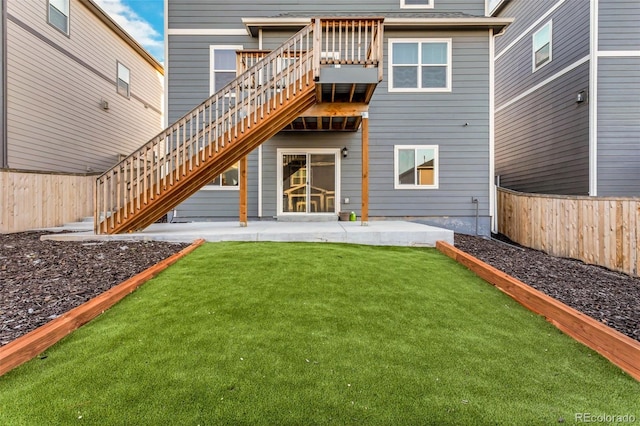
(223, 71)
(58, 15)
(542, 46)
(223, 66)
(422, 65)
(416, 4)
(416, 166)
(124, 81)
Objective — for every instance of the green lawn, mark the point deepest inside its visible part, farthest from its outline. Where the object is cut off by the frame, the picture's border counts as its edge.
(273, 333)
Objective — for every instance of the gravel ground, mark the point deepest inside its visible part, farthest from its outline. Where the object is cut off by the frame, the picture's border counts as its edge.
(41, 280)
(609, 297)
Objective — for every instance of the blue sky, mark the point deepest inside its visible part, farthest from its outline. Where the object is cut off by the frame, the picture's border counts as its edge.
(142, 19)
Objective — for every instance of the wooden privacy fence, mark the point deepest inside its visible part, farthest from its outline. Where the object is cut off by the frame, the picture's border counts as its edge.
(30, 200)
(598, 231)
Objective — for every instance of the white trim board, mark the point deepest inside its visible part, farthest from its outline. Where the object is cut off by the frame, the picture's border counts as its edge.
(206, 31)
(619, 54)
(531, 27)
(543, 83)
(593, 98)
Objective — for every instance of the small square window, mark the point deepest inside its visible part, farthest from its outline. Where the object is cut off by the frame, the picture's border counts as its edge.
(416, 4)
(58, 15)
(229, 179)
(124, 87)
(542, 46)
(420, 65)
(416, 166)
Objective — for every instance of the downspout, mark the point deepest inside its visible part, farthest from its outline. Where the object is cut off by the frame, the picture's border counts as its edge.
(4, 148)
(493, 191)
(593, 99)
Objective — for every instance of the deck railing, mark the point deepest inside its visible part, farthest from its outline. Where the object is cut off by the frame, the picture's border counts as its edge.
(151, 171)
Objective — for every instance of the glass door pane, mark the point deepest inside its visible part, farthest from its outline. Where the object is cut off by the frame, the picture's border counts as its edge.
(322, 183)
(294, 183)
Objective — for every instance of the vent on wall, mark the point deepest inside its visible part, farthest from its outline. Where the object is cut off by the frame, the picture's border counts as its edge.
(104, 104)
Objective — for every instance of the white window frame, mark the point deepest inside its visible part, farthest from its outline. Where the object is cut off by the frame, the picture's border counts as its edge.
(436, 166)
(220, 187)
(118, 79)
(534, 66)
(65, 31)
(429, 5)
(212, 69)
(449, 65)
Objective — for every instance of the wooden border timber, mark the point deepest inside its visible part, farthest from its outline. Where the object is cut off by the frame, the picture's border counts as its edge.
(31, 344)
(621, 350)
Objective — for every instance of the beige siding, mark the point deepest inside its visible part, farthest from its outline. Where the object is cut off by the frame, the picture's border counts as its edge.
(55, 119)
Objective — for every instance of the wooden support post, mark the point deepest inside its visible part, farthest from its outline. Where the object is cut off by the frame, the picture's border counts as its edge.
(243, 191)
(365, 169)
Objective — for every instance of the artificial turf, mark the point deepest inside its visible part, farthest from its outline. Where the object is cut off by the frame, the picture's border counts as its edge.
(297, 333)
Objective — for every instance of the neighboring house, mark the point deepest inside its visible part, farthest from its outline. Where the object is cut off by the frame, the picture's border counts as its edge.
(77, 91)
(568, 97)
(428, 123)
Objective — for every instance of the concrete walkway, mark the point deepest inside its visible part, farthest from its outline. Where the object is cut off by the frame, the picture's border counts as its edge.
(384, 233)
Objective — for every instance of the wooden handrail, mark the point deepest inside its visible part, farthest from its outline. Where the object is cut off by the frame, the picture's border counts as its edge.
(267, 81)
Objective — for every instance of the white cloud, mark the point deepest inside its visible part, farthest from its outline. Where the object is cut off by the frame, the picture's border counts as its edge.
(137, 27)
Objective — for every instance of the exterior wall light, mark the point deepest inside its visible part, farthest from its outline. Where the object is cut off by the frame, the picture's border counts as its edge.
(345, 152)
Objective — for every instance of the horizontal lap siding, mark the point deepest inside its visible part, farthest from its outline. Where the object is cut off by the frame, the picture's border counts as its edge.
(228, 14)
(570, 43)
(619, 126)
(188, 70)
(542, 141)
(526, 13)
(619, 25)
(435, 119)
(55, 120)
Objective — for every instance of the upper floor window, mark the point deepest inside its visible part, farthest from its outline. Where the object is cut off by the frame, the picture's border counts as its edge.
(58, 15)
(416, 166)
(422, 65)
(223, 66)
(542, 46)
(124, 87)
(416, 4)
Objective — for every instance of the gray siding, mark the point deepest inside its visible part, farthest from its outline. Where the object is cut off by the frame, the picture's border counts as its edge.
(542, 138)
(188, 70)
(56, 85)
(395, 118)
(525, 12)
(228, 14)
(619, 25)
(570, 43)
(619, 126)
(542, 142)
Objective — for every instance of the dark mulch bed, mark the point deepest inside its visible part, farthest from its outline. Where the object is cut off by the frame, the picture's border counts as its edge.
(41, 280)
(609, 297)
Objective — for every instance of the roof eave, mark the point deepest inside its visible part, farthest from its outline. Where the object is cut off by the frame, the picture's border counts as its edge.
(109, 22)
(498, 24)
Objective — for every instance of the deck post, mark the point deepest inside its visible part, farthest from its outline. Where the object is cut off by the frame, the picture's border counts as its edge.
(243, 191)
(364, 215)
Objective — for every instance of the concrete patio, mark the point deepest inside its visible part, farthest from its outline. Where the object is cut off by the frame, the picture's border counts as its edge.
(384, 233)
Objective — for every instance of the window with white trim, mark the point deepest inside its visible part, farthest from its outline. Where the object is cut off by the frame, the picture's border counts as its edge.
(124, 81)
(420, 65)
(416, 4)
(229, 179)
(223, 66)
(416, 166)
(542, 46)
(58, 15)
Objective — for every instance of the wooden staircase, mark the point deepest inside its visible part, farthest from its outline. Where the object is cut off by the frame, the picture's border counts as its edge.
(264, 99)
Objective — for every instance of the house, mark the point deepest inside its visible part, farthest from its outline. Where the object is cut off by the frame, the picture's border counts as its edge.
(567, 116)
(314, 108)
(77, 91)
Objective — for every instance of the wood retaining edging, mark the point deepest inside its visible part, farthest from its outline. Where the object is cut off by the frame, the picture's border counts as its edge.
(621, 350)
(37, 341)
